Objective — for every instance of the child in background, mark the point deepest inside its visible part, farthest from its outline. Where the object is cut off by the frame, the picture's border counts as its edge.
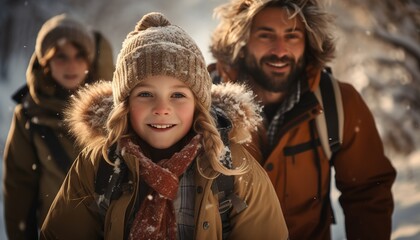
(39, 150)
(160, 121)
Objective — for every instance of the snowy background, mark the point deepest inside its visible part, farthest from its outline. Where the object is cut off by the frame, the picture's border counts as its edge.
(378, 52)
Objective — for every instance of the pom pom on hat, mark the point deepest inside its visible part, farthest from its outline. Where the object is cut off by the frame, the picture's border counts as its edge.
(63, 28)
(152, 20)
(156, 47)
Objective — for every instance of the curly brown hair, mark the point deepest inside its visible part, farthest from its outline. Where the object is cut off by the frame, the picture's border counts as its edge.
(232, 33)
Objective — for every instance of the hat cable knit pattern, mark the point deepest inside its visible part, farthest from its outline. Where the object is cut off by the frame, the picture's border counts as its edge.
(156, 47)
(60, 27)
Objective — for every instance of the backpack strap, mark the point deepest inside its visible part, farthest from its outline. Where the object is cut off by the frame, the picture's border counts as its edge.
(225, 186)
(330, 124)
(111, 181)
(228, 201)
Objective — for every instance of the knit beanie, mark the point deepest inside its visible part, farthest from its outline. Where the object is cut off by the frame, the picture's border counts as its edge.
(60, 28)
(156, 47)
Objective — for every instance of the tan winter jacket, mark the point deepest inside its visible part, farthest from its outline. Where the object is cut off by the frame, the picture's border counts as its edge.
(31, 175)
(363, 174)
(74, 213)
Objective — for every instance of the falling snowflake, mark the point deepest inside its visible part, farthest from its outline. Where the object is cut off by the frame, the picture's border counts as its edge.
(22, 226)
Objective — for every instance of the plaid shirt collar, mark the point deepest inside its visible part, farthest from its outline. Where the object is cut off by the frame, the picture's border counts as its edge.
(277, 121)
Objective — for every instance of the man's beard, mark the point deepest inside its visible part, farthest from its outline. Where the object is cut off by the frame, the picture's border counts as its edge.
(274, 82)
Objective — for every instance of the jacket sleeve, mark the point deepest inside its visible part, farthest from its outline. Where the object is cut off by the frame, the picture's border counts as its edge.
(20, 180)
(364, 175)
(263, 217)
(73, 214)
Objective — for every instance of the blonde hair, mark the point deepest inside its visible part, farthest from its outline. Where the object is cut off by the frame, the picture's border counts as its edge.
(204, 124)
(213, 147)
(117, 127)
(232, 33)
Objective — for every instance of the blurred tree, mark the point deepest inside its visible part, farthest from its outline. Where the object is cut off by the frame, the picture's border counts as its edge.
(379, 53)
(19, 22)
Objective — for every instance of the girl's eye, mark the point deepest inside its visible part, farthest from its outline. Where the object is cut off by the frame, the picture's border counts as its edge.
(144, 94)
(178, 95)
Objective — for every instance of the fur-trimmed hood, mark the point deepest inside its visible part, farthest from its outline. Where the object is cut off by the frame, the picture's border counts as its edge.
(89, 109)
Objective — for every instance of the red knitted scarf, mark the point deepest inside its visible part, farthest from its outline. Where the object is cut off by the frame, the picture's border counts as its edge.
(156, 217)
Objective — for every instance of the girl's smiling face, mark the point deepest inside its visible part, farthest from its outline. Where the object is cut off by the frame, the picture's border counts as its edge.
(161, 110)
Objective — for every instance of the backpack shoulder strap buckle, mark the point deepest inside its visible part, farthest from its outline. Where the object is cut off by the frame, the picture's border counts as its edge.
(225, 205)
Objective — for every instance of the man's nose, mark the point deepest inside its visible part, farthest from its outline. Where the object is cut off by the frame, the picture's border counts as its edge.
(279, 48)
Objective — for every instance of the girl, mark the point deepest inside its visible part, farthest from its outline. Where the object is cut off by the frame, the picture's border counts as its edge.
(162, 128)
(38, 150)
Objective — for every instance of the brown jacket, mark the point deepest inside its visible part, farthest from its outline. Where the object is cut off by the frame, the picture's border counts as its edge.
(31, 176)
(75, 206)
(363, 174)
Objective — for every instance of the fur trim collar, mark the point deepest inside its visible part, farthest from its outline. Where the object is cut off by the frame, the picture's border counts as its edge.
(89, 110)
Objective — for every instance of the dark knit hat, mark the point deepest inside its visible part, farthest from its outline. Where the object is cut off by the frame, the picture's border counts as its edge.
(59, 28)
(155, 47)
